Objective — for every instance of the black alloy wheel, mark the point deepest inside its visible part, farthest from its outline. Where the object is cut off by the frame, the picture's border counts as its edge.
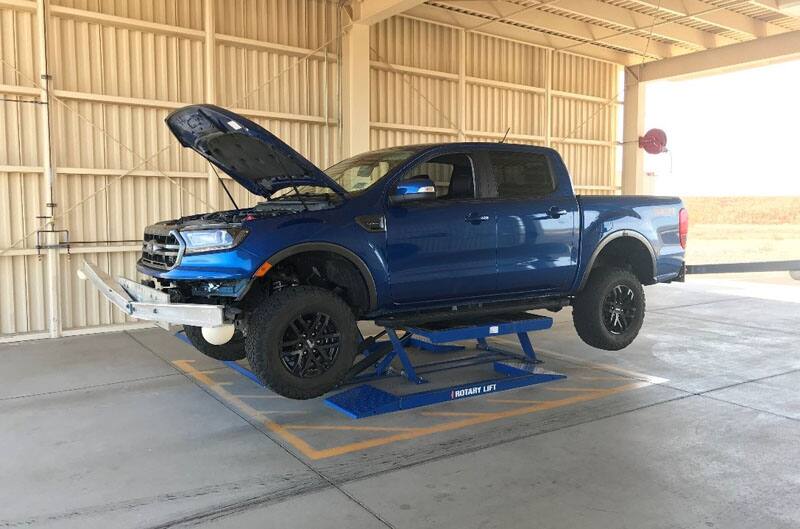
(302, 341)
(619, 309)
(609, 312)
(310, 345)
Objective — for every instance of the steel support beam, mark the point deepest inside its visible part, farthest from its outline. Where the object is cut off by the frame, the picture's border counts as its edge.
(567, 27)
(462, 84)
(782, 47)
(355, 90)
(720, 17)
(210, 73)
(633, 178)
(54, 324)
(373, 11)
(519, 34)
(632, 20)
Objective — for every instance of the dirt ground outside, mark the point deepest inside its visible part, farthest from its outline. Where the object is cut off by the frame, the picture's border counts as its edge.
(768, 229)
(728, 243)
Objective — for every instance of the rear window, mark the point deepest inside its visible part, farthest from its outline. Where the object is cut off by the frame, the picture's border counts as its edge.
(521, 174)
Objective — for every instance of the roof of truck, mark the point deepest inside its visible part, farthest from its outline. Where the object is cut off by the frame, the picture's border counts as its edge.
(469, 145)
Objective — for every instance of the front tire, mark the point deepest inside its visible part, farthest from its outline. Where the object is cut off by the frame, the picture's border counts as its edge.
(609, 312)
(302, 341)
(231, 351)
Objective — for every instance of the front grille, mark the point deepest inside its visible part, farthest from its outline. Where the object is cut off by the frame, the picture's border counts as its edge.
(161, 249)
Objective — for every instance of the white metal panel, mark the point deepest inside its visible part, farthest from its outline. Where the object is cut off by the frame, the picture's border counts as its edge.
(297, 23)
(183, 13)
(414, 83)
(506, 61)
(499, 108)
(22, 306)
(410, 42)
(23, 296)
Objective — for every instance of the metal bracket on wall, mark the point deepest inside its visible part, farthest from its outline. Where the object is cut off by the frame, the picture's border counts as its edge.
(42, 238)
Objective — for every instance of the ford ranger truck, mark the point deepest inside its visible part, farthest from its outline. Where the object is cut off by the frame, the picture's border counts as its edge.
(418, 233)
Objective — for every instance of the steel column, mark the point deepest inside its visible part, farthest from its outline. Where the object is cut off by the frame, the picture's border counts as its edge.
(210, 55)
(49, 175)
(355, 90)
(633, 178)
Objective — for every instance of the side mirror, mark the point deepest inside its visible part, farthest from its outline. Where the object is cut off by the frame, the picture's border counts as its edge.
(414, 189)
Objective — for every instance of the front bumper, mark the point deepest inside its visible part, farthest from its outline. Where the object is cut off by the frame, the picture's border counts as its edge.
(145, 303)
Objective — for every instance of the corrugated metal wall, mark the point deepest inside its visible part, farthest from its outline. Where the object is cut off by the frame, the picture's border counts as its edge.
(119, 67)
(432, 82)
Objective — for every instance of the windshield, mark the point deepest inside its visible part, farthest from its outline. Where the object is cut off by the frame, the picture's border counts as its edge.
(357, 173)
(361, 171)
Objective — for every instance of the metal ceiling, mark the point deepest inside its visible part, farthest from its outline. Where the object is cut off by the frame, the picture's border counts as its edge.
(622, 31)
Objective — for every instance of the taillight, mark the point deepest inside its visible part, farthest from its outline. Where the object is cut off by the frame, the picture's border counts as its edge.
(683, 226)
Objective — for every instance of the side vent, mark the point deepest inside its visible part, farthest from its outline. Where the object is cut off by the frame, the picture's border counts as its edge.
(372, 223)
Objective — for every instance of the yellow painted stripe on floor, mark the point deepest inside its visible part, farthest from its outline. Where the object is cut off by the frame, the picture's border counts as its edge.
(578, 390)
(279, 412)
(294, 440)
(312, 453)
(347, 428)
(610, 378)
(454, 413)
(471, 421)
(515, 401)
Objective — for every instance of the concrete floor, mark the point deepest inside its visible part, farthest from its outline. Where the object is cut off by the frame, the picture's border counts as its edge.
(695, 425)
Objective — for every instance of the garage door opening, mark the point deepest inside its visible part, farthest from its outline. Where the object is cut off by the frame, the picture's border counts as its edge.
(732, 159)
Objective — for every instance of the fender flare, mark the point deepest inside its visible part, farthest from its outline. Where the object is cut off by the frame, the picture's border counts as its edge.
(341, 251)
(610, 238)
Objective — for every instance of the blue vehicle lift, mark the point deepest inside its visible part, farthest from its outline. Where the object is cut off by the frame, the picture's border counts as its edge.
(363, 399)
(515, 370)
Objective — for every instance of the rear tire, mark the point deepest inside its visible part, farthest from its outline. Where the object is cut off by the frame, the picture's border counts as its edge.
(231, 351)
(302, 341)
(609, 312)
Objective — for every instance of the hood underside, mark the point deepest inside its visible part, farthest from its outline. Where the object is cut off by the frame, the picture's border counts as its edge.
(251, 155)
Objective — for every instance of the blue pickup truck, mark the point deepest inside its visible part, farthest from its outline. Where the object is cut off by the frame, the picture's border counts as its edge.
(419, 232)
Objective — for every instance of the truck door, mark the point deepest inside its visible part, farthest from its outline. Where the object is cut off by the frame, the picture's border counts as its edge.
(442, 249)
(537, 222)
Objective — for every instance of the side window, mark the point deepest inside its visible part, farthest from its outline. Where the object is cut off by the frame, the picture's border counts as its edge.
(452, 174)
(521, 174)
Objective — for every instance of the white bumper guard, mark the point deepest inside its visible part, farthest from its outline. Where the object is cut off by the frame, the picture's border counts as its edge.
(145, 303)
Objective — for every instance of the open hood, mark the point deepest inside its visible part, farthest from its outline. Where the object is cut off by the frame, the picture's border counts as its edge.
(251, 155)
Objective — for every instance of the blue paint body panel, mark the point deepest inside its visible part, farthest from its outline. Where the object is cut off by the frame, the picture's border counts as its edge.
(431, 255)
(222, 136)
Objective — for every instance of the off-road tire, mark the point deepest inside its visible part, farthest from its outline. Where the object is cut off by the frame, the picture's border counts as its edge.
(265, 334)
(233, 350)
(589, 310)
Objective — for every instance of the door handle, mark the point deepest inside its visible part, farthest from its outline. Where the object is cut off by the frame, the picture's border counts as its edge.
(476, 218)
(555, 212)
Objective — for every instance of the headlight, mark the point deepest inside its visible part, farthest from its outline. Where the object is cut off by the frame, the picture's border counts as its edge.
(198, 241)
